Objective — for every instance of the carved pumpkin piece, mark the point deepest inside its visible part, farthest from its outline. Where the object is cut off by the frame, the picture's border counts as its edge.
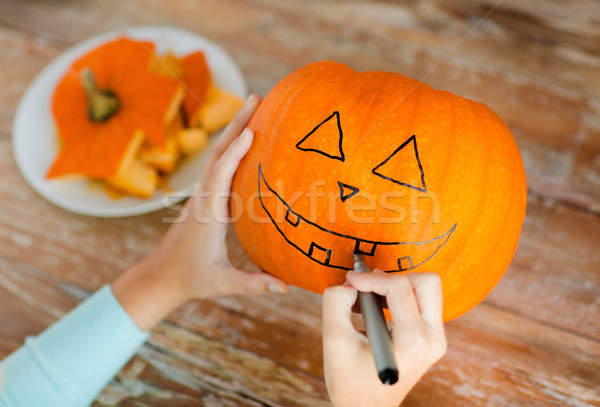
(121, 113)
(95, 147)
(196, 78)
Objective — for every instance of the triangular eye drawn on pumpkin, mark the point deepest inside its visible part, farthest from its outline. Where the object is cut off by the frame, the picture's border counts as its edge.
(409, 155)
(325, 139)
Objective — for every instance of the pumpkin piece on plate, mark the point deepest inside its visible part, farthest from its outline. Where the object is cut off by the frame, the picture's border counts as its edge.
(174, 108)
(163, 158)
(218, 110)
(166, 65)
(139, 180)
(134, 177)
(194, 74)
(196, 79)
(192, 140)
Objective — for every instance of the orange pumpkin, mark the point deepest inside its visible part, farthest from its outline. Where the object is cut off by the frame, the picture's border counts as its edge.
(103, 100)
(415, 179)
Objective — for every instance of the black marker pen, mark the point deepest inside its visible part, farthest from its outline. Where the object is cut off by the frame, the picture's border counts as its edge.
(377, 331)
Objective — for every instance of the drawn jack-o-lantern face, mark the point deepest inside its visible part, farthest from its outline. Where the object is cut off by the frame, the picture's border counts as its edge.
(375, 163)
(317, 241)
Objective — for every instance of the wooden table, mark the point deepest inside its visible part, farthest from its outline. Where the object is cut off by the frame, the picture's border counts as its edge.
(535, 341)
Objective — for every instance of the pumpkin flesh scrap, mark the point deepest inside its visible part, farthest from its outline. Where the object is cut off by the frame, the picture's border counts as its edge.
(164, 158)
(192, 140)
(220, 107)
(133, 176)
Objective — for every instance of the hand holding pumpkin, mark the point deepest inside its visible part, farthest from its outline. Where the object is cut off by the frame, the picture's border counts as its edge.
(192, 262)
(415, 303)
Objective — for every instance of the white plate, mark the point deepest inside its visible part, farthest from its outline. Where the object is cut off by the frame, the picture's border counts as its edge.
(34, 133)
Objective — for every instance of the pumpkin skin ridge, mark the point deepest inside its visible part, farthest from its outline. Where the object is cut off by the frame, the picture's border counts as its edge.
(484, 291)
(505, 231)
(249, 178)
(279, 108)
(451, 313)
(489, 250)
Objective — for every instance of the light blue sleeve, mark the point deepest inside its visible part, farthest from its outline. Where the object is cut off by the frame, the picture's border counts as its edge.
(70, 362)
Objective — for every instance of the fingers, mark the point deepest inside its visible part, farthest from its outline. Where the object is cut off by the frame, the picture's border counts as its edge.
(415, 303)
(428, 292)
(254, 283)
(337, 310)
(230, 133)
(397, 290)
(238, 123)
(224, 169)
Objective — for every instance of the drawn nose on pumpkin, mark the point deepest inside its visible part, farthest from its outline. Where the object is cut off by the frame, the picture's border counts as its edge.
(347, 191)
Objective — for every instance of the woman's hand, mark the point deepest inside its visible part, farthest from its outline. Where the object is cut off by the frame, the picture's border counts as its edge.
(417, 330)
(191, 261)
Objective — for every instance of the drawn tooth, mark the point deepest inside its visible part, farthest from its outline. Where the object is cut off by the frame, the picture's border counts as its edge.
(366, 248)
(292, 217)
(405, 263)
(319, 254)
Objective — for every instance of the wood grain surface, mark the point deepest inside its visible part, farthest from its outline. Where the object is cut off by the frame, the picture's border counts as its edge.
(535, 341)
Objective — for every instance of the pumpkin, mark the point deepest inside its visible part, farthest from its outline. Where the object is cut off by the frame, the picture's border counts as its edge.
(376, 163)
(103, 100)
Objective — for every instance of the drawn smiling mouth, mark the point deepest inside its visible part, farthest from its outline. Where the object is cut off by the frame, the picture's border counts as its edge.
(296, 225)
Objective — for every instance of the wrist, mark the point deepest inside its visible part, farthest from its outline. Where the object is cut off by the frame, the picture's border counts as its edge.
(146, 293)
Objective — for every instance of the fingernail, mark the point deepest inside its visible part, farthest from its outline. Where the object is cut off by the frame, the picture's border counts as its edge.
(246, 138)
(276, 288)
(248, 101)
(247, 133)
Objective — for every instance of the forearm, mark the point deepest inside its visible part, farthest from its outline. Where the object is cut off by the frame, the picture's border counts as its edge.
(148, 293)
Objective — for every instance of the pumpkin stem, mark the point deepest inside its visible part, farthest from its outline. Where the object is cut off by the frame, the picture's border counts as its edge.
(102, 104)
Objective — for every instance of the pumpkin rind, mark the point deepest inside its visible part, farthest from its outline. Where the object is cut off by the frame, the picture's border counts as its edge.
(196, 78)
(463, 191)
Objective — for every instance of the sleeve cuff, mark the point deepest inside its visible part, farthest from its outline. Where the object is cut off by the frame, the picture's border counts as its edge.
(75, 357)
